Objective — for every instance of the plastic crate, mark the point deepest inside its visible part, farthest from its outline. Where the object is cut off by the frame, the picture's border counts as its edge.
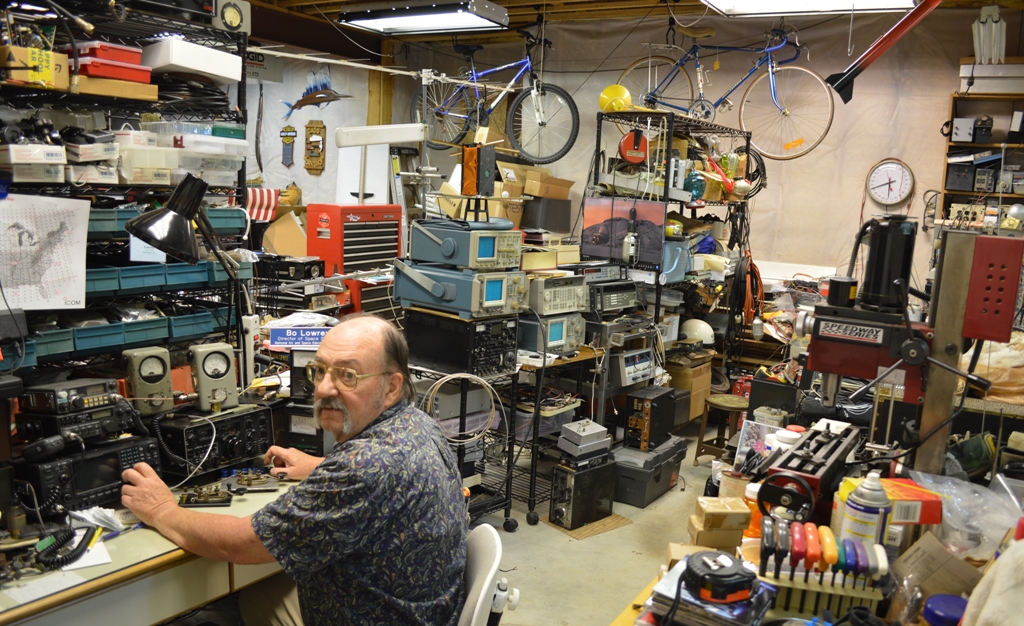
(142, 278)
(109, 51)
(474, 422)
(223, 317)
(109, 223)
(194, 325)
(51, 342)
(117, 70)
(104, 336)
(11, 358)
(548, 425)
(181, 275)
(217, 275)
(145, 331)
(227, 221)
(102, 280)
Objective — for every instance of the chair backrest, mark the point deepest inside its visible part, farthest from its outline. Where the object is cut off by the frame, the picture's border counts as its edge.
(483, 554)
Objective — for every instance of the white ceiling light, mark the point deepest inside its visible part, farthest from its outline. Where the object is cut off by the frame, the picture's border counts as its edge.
(414, 17)
(766, 8)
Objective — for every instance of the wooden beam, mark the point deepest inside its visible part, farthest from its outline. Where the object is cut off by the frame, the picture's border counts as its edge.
(381, 91)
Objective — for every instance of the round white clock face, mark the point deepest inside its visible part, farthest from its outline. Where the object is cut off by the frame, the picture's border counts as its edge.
(890, 182)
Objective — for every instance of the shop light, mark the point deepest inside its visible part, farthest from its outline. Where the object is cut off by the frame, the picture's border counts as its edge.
(775, 8)
(416, 17)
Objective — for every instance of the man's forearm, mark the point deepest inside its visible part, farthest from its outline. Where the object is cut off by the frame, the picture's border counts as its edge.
(220, 537)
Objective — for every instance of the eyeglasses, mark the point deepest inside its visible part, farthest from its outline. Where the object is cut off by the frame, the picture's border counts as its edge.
(343, 377)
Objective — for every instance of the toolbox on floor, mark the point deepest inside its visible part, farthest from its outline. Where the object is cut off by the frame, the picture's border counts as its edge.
(644, 476)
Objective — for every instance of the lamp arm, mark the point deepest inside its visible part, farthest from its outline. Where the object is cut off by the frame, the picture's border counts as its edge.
(210, 237)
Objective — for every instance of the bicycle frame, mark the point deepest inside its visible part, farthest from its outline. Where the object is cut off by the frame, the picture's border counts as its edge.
(694, 53)
(524, 67)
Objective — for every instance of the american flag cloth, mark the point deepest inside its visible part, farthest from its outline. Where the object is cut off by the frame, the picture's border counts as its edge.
(260, 203)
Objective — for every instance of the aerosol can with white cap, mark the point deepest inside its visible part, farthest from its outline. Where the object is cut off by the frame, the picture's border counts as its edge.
(867, 511)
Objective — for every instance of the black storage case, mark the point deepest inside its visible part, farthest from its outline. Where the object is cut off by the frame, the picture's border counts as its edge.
(581, 496)
(643, 477)
(548, 214)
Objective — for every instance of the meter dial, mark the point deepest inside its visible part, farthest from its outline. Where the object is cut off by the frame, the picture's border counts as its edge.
(219, 394)
(152, 369)
(231, 15)
(216, 365)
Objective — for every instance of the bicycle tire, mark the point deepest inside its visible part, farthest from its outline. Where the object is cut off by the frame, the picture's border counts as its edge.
(637, 79)
(442, 125)
(528, 139)
(809, 109)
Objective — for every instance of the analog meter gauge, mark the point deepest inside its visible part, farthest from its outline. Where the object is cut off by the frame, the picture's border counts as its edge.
(213, 373)
(890, 182)
(148, 373)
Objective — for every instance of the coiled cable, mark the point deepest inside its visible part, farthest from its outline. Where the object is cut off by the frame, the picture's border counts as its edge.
(50, 555)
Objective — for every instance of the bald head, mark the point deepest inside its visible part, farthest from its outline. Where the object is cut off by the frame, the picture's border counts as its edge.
(386, 342)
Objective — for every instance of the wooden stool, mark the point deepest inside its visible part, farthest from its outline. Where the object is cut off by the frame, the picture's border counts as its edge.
(733, 405)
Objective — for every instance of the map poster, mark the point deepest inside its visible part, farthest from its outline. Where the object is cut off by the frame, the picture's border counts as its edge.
(42, 252)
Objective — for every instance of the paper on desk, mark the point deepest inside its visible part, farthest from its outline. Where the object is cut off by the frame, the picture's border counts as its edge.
(96, 555)
(935, 569)
(34, 588)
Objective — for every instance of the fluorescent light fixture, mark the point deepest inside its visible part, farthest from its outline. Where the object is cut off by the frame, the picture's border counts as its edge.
(767, 8)
(413, 17)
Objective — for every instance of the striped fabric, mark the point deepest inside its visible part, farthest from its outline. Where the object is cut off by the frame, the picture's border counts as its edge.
(261, 203)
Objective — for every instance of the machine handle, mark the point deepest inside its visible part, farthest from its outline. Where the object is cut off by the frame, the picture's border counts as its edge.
(972, 379)
(857, 395)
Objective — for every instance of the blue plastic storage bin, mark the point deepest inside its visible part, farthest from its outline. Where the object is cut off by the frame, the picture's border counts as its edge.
(102, 280)
(109, 223)
(142, 278)
(147, 331)
(11, 358)
(227, 221)
(104, 336)
(185, 276)
(217, 275)
(194, 325)
(223, 317)
(52, 342)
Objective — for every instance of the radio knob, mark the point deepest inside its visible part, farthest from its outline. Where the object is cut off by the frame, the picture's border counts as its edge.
(547, 296)
(152, 447)
(67, 497)
(108, 425)
(521, 289)
(515, 279)
(579, 291)
(78, 402)
(64, 478)
(233, 446)
(558, 513)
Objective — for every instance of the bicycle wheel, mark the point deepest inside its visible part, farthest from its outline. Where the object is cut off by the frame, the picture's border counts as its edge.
(544, 139)
(448, 113)
(804, 121)
(644, 76)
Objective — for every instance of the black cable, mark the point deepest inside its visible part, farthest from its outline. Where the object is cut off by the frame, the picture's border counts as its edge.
(163, 444)
(23, 333)
(856, 244)
(67, 31)
(50, 557)
(671, 614)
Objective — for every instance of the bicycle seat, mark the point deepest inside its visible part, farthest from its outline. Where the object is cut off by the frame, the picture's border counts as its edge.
(699, 32)
(461, 49)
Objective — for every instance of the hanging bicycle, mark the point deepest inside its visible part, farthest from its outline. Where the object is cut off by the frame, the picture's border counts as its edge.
(542, 121)
(787, 108)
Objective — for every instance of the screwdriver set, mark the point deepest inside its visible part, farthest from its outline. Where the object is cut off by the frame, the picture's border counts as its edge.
(814, 571)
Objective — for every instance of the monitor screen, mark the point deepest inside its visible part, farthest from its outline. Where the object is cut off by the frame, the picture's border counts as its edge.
(606, 222)
(494, 292)
(485, 247)
(97, 473)
(556, 332)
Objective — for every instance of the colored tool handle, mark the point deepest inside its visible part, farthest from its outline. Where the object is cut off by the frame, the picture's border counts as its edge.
(839, 565)
(781, 541)
(860, 550)
(850, 565)
(883, 560)
(869, 549)
(813, 545)
(829, 550)
(767, 544)
(798, 544)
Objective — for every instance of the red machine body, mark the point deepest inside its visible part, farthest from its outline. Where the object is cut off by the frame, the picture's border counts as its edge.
(354, 238)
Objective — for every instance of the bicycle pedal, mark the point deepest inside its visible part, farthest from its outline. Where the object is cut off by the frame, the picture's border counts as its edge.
(726, 105)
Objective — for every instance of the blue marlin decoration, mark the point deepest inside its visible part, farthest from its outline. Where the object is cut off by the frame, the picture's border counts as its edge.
(318, 91)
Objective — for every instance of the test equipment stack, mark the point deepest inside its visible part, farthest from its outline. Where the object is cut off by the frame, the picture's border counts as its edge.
(462, 292)
(583, 483)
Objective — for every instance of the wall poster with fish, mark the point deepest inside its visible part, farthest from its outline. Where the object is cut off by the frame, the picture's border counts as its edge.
(606, 221)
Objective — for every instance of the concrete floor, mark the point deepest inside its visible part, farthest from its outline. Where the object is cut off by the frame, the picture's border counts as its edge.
(565, 582)
(562, 581)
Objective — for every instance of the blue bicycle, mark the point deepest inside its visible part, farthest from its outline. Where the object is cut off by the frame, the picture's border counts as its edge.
(787, 109)
(541, 123)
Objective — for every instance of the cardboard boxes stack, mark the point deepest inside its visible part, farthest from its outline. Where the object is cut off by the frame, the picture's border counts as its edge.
(719, 522)
(692, 373)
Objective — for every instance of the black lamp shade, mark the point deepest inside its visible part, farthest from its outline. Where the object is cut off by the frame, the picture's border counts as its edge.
(169, 229)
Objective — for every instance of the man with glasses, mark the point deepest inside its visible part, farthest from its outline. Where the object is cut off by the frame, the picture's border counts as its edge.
(375, 532)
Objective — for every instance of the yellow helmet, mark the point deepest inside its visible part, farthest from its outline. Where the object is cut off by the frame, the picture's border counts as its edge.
(615, 98)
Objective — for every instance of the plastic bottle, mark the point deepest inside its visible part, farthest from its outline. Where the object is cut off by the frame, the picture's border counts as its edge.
(867, 510)
(750, 497)
(944, 610)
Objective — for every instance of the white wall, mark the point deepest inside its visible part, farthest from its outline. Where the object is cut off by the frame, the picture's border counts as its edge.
(812, 206)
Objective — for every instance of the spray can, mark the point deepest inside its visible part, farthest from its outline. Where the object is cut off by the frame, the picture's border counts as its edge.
(867, 511)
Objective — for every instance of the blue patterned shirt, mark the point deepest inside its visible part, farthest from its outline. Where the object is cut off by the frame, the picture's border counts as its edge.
(376, 534)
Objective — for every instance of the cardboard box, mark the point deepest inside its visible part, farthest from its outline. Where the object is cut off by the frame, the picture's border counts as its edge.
(119, 88)
(92, 152)
(32, 153)
(911, 503)
(567, 253)
(679, 551)
(286, 236)
(32, 65)
(514, 190)
(90, 174)
(490, 134)
(695, 379)
(511, 210)
(517, 174)
(538, 259)
(545, 186)
(722, 513)
(36, 172)
(144, 176)
(718, 539)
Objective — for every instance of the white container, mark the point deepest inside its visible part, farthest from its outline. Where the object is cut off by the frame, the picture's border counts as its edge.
(90, 174)
(176, 55)
(144, 176)
(130, 138)
(197, 161)
(474, 423)
(32, 153)
(214, 178)
(178, 128)
(206, 144)
(36, 173)
(82, 153)
(162, 158)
